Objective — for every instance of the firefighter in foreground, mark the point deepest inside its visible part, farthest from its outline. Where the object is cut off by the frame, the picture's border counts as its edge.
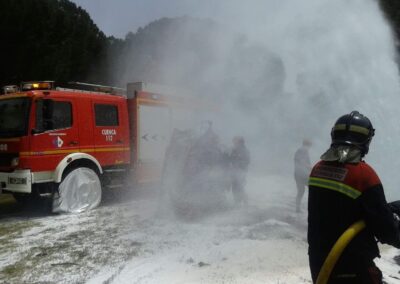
(342, 190)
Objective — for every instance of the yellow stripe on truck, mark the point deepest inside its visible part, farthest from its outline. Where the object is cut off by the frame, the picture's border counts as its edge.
(92, 150)
(111, 149)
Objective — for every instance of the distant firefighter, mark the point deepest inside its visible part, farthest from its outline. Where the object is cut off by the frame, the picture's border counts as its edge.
(302, 169)
(240, 160)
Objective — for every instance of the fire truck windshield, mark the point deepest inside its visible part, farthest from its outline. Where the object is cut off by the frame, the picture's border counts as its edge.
(14, 117)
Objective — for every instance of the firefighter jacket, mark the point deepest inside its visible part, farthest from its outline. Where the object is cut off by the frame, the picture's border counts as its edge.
(339, 195)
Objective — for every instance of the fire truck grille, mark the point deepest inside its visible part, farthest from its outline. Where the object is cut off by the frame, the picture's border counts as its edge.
(6, 158)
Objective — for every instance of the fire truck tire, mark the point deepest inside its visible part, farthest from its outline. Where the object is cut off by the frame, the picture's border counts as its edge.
(79, 191)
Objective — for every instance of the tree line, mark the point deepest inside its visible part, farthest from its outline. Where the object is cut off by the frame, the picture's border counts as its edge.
(48, 39)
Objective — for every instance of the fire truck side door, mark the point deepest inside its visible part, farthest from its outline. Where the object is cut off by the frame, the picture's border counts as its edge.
(55, 133)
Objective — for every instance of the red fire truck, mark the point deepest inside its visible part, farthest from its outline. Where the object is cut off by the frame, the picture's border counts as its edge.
(70, 142)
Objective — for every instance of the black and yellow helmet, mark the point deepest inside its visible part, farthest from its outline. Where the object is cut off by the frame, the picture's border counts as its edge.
(353, 129)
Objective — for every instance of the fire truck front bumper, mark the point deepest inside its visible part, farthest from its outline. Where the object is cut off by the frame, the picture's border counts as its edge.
(17, 181)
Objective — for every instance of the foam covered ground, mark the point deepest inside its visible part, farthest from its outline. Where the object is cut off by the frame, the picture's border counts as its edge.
(136, 240)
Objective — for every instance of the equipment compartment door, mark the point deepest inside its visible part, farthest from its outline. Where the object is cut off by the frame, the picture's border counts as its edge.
(154, 134)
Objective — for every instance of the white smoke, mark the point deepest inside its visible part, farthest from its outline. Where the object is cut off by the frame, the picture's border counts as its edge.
(281, 71)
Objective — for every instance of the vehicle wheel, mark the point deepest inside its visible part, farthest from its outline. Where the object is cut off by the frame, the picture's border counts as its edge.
(80, 190)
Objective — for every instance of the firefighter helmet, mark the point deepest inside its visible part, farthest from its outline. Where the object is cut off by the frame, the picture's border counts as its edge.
(353, 129)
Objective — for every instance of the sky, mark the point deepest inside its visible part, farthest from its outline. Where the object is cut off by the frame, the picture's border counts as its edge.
(119, 17)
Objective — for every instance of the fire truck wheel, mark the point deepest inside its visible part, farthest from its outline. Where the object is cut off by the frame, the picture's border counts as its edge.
(80, 190)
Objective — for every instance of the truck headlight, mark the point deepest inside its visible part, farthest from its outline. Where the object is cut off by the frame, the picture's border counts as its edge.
(15, 162)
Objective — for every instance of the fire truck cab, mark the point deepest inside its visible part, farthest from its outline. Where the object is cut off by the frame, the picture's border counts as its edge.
(57, 140)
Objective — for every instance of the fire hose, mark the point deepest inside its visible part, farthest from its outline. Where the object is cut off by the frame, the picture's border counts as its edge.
(337, 251)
